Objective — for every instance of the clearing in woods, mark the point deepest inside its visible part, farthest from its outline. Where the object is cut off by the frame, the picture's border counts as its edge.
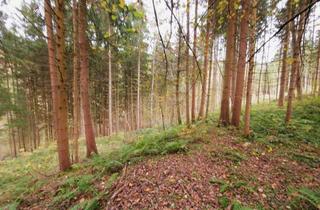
(202, 167)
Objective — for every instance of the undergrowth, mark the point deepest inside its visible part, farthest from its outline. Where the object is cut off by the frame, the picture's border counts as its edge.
(18, 175)
(25, 174)
(267, 123)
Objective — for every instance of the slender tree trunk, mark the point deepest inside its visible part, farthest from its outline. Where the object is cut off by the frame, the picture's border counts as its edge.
(234, 67)
(229, 63)
(138, 88)
(278, 73)
(251, 68)
(295, 62)
(178, 81)
(52, 64)
(300, 34)
(152, 86)
(84, 80)
(317, 71)
(261, 68)
(62, 111)
(284, 66)
(241, 64)
(110, 85)
(187, 66)
(76, 93)
(193, 102)
(210, 76)
(216, 78)
(205, 67)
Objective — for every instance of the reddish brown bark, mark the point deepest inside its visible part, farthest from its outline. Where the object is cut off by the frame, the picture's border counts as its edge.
(205, 67)
(52, 64)
(295, 62)
(76, 95)
(187, 66)
(229, 62)
(178, 81)
(284, 65)
(84, 77)
(236, 112)
(251, 68)
(317, 72)
(193, 101)
(61, 100)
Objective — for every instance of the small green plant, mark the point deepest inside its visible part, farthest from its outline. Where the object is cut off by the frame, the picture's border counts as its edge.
(306, 198)
(310, 160)
(238, 206)
(224, 201)
(91, 204)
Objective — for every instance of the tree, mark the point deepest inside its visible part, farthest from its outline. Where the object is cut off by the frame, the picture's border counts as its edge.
(62, 110)
(187, 66)
(110, 82)
(84, 77)
(205, 67)
(284, 61)
(229, 63)
(317, 76)
(178, 78)
(252, 43)
(76, 71)
(52, 64)
(193, 100)
(236, 112)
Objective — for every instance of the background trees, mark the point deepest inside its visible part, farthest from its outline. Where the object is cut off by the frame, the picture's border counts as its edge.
(131, 79)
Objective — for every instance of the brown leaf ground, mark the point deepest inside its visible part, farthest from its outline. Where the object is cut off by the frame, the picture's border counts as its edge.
(182, 181)
(223, 168)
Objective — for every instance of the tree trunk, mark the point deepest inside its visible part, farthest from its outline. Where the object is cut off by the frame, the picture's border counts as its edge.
(187, 66)
(241, 64)
(229, 63)
(138, 87)
(178, 81)
(251, 68)
(205, 67)
(152, 86)
(284, 64)
(317, 71)
(52, 64)
(62, 110)
(84, 77)
(193, 102)
(210, 75)
(76, 93)
(110, 85)
(300, 33)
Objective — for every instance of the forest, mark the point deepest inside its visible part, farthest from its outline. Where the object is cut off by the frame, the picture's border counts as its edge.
(160, 104)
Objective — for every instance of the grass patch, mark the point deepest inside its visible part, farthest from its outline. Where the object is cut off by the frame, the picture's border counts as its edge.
(269, 127)
(305, 198)
(309, 159)
(23, 175)
(230, 154)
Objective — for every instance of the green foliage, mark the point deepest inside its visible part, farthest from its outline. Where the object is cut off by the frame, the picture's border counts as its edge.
(149, 143)
(90, 204)
(310, 160)
(226, 185)
(229, 154)
(73, 186)
(224, 201)
(268, 124)
(238, 206)
(305, 198)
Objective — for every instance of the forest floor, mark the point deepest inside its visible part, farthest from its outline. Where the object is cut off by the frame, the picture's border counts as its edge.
(202, 167)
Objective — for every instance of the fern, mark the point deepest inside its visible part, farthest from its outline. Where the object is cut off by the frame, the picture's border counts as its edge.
(308, 196)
